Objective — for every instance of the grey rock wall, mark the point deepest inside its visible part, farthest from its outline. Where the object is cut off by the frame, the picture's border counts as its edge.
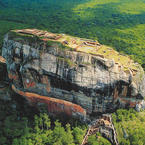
(96, 84)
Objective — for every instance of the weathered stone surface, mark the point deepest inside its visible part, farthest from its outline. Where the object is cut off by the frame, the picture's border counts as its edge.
(94, 83)
(140, 106)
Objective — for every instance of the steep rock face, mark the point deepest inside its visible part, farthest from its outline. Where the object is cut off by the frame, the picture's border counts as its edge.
(3, 70)
(90, 83)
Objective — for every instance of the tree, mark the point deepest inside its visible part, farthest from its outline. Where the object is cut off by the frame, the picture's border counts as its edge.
(78, 134)
(92, 140)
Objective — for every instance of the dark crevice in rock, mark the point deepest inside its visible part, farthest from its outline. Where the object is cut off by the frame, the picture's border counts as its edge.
(20, 77)
(35, 75)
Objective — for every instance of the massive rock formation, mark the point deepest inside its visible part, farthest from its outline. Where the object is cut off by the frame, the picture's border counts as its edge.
(79, 77)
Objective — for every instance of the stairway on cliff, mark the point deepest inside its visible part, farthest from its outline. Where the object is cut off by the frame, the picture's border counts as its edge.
(103, 125)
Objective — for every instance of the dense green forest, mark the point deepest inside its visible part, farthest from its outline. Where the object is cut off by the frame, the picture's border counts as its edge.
(117, 23)
(130, 126)
(21, 124)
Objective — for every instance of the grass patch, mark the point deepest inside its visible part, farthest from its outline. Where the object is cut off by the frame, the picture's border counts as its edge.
(68, 61)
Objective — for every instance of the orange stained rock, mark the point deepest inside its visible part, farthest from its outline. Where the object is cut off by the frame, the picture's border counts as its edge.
(131, 103)
(124, 93)
(48, 89)
(53, 105)
(30, 84)
(44, 80)
(12, 76)
(45, 39)
(115, 93)
(107, 122)
(2, 60)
